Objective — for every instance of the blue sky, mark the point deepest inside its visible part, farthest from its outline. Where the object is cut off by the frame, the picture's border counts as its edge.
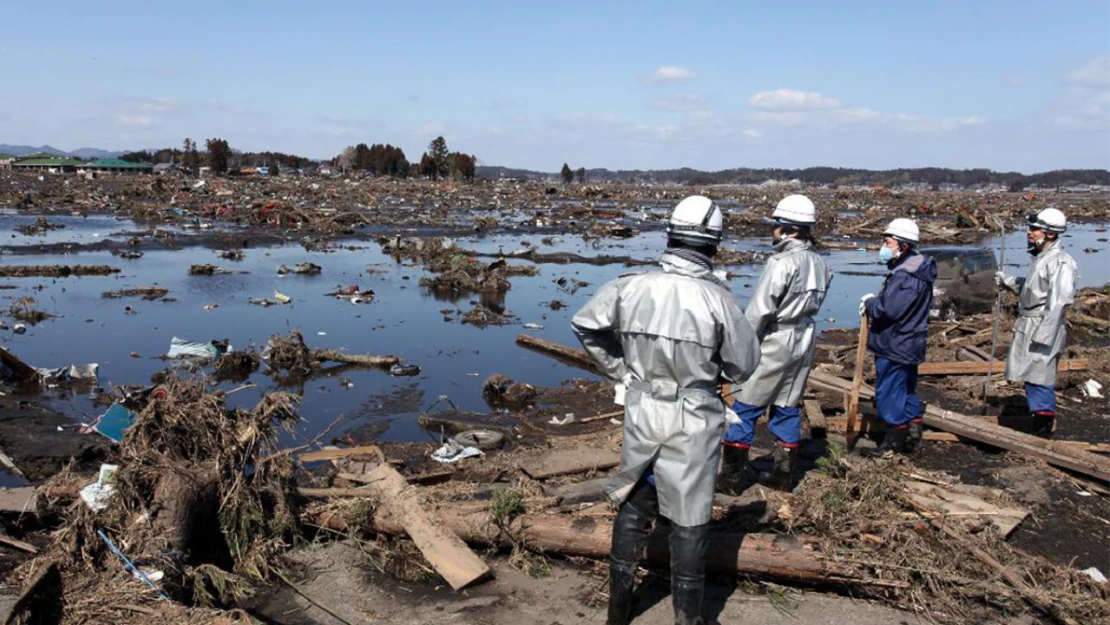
(1019, 85)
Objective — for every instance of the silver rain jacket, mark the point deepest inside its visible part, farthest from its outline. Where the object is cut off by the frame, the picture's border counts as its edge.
(671, 336)
(790, 292)
(1040, 333)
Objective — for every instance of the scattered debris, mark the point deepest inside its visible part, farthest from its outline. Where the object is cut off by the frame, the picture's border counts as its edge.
(149, 293)
(55, 271)
(210, 350)
(206, 270)
(404, 370)
(24, 310)
(305, 269)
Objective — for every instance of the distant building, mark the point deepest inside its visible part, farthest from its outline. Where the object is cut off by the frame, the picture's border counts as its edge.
(52, 165)
(6, 161)
(161, 169)
(117, 166)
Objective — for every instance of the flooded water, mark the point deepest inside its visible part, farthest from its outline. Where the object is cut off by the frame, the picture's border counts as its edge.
(404, 318)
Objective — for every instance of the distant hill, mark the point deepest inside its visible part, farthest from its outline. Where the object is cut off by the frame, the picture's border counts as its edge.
(85, 153)
(820, 175)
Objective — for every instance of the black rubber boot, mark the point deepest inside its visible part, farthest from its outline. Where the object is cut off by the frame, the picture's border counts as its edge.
(1043, 423)
(782, 477)
(894, 442)
(734, 459)
(630, 533)
(913, 435)
(688, 546)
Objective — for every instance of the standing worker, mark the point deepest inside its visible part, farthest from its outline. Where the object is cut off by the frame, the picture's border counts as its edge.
(1041, 332)
(670, 337)
(899, 318)
(790, 292)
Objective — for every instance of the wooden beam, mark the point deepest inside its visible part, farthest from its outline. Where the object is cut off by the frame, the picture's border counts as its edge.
(571, 461)
(441, 547)
(981, 368)
(334, 453)
(18, 499)
(814, 415)
(857, 382)
(576, 357)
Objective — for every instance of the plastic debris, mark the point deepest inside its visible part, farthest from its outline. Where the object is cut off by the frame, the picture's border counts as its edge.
(97, 494)
(1092, 389)
(19, 328)
(113, 423)
(282, 298)
(533, 326)
(453, 451)
(566, 420)
(1094, 574)
(180, 348)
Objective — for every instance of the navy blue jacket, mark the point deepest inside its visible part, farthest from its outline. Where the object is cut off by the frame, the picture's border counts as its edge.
(900, 313)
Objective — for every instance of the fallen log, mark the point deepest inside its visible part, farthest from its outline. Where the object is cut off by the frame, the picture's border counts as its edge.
(55, 271)
(331, 355)
(1053, 452)
(569, 355)
(1056, 453)
(336, 452)
(981, 368)
(762, 555)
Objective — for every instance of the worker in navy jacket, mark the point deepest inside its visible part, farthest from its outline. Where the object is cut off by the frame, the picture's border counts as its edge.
(899, 317)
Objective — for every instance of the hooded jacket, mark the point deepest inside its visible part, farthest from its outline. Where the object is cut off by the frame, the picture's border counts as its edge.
(900, 313)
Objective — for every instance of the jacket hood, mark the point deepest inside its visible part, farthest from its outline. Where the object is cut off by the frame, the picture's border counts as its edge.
(919, 266)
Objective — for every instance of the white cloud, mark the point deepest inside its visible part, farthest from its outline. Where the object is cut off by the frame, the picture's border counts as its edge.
(1095, 72)
(149, 105)
(432, 129)
(1015, 81)
(791, 100)
(131, 121)
(680, 102)
(669, 74)
(752, 133)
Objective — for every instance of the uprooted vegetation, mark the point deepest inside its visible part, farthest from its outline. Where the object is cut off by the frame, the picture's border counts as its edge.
(862, 520)
(25, 309)
(201, 494)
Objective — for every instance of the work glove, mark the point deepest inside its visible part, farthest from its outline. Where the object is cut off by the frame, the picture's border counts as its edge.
(731, 418)
(863, 303)
(1005, 281)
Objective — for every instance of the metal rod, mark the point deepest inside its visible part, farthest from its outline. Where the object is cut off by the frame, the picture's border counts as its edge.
(130, 566)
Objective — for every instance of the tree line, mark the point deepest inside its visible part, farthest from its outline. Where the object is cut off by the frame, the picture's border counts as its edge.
(386, 160)
(932, 176)
(219, 156)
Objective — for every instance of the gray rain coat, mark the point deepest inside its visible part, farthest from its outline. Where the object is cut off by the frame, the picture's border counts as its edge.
(671, 336)
(790, 292)
(1040, 333)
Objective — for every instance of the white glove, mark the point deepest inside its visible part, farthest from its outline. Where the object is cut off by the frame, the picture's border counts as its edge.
(1005, 281)
(863, 303)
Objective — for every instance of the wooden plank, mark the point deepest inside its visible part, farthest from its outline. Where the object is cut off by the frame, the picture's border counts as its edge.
(18, 544)
(956, 501)
(448, 554)
(332, 453)
(18, 499)
(814, 415)
(21, 371)
(570, 461)
(981, 368)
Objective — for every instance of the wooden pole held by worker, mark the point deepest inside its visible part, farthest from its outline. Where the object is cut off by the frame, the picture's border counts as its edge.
(857, 383)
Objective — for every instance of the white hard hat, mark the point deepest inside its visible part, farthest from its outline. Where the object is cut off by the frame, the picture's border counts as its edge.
(794, 210)
(904, 230)
(697, 220)
(1049, 220)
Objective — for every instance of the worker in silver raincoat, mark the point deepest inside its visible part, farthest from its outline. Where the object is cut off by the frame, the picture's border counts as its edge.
(671, 337)
(1040, 333)
(790, 292)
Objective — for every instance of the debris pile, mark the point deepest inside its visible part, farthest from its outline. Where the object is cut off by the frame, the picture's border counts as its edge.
(198, 497)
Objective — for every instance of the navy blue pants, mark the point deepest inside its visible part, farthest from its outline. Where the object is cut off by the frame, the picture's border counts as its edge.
(1041, 398)
(785, 424)
(896, 392)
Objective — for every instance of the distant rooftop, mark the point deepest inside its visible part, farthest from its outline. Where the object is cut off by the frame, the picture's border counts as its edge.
(53, 161)
(115, 163)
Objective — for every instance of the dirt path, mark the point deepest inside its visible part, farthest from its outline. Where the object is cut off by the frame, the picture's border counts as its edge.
(336, 576)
